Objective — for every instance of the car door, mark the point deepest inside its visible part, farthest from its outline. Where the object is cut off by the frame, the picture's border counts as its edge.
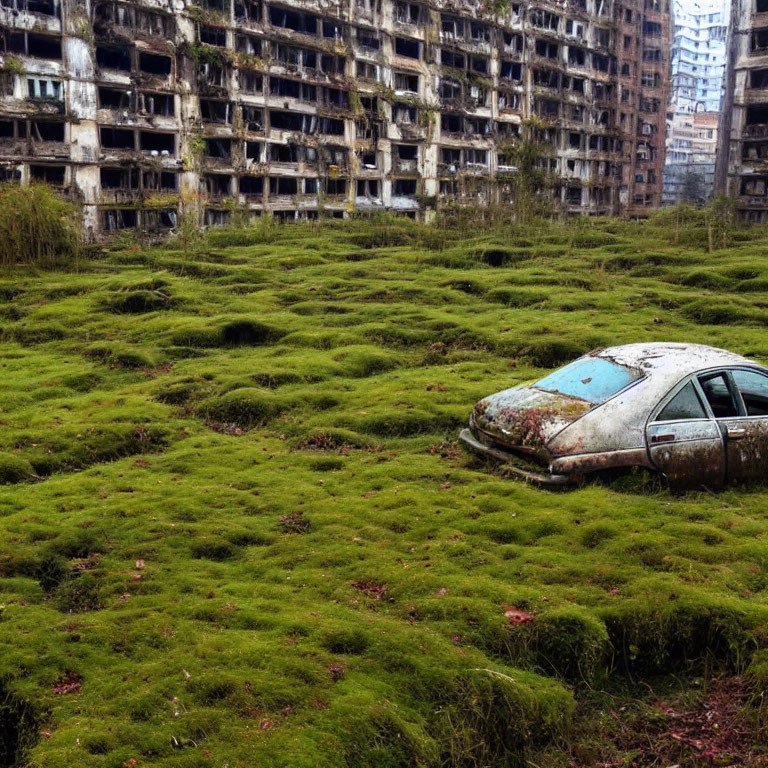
(746, 436)
(684, 441)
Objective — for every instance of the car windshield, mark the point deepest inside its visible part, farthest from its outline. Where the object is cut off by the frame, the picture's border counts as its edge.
(593, 379)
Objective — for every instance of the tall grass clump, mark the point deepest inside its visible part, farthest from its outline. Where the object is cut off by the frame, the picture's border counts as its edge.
(38, 227)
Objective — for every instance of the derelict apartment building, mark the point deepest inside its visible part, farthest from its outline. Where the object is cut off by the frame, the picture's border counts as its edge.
(146, 108)
(742, 163)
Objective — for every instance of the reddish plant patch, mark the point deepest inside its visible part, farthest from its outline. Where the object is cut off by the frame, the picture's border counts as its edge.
(68, 684)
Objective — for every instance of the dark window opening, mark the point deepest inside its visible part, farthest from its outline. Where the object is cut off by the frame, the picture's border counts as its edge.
(157, 104)
(218, 184)
(121, 218)
(289, 19)
(113, 58)
(219, 148)
(576, 56)
(332, 28)
(547, 49)
(284, 153)
(50, 174)
(165, 181)
(252, 185)
(160, 219)
(335, 186)
(117, 138)
(163, 143)
(281, 185)
(217, 218)
(404, 187)
(295, 89)
(248, 44)
(151, 64)
(368, 39)
(407, 151)
(253, 150)
(761, 6)
(44, 46)
(512, 70)
(451, 123)
(758, 78)
(757, 114)
(247, 10)
(253, 119)
(250, 82)
(114, 98)
(213, 36)
(119, 178)
(330, 126)
(479, 64)
(213, 111)
(407, 47)
(719, 395)
(42, 131)
(452, 59)
(337, 97)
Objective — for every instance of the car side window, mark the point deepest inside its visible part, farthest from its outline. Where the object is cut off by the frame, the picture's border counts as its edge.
(719, 395)
(684, 405)
(753, 387)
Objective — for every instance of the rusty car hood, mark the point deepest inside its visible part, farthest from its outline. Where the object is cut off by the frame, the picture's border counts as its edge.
(525, 418)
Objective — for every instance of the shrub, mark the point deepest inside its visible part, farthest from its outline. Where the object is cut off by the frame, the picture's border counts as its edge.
(138, 302)
(549, 353)
(246, 407)
(14, 469)
(37, 227)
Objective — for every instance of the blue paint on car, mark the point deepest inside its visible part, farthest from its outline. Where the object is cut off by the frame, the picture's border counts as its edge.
(594, 379)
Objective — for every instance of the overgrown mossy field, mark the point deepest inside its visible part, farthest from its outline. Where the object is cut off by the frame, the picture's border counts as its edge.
(237, 529)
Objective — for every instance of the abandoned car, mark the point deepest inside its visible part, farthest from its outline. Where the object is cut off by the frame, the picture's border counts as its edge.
(696, 414)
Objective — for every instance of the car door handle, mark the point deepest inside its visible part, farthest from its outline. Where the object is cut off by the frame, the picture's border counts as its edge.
(736, 433)
(663, 438)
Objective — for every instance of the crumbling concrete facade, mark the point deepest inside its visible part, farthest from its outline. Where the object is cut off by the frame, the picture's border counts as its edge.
(144, 109)
(742, 162)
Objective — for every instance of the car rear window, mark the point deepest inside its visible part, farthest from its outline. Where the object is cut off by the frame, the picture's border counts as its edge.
(593, 379)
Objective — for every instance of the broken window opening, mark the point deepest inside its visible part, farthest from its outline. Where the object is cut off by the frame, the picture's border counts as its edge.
(119, 218)
(407, 13)
(119, 178)
(160, 181)
(50, 174)
(406, 47)
(479, 65)
(220, 149)
(154, 220)
(511, 70)
(250, 82)
(285, 18)
(283, 185)
(297, 58)
(758, 78)
(367, 71)
(406, 82)
(215, 217)
(254, 150)
(330, 126)
(211, 74)
(368, 38)
(218, 184)
(368, 160)
(336, 97)
(404, 114)
(576, 56)
(13, 129)
(42, 7)
(368, 188)
(247, 10)
(284, 153)
(40, 130)
(113, 58)
(546, 49)
(248, 44)
(213, 36)
(449, 90)
(157, 143)
(152, 64)
(452, 59)
(295, 89)
(335, 186)
(333, 29)
(117, 138)
(451, 123)
(252, 186)
(293, 121)
(212, 111)
(544, 19)
(162, 104)
(404, 187)
(114, 98)
(253, 118)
